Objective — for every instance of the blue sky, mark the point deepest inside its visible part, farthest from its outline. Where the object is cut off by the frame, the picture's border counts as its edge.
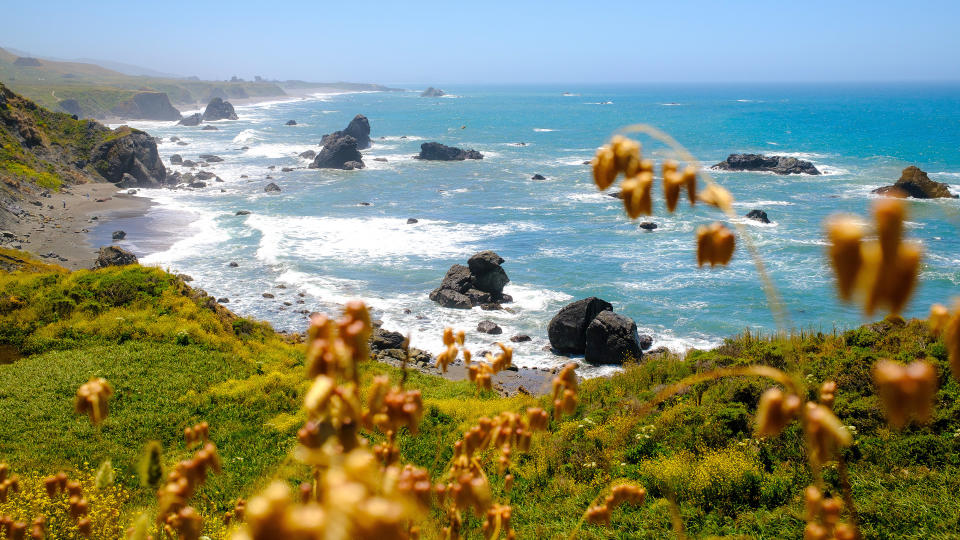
(458, 42)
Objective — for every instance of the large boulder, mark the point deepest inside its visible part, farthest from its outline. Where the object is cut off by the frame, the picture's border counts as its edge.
(218, 109)
(762, 163)
(488, 275)
(114, 256)
(192, 120)
(568, 328)
(132, 153)
(434, 151)
(359, 129)
(758, 215)
(478, 284)
(381, 340)
(433, 92)
(337, 152)
(147, 106)
(610, 338)
(915, 183)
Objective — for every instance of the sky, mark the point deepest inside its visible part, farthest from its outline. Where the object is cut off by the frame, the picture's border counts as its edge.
(503, 42)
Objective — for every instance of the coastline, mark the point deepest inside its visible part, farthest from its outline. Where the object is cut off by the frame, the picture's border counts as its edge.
(59, 230)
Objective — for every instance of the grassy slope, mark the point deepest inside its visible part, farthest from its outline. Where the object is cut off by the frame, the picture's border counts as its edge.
(174, 362)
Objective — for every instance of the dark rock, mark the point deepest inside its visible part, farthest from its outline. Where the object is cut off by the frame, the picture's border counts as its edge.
(134, 153)
(267, 295)
(520, 338)
(458, 278)
(610, 338)
(648, 225)
(210, 158)
(382, 339)
(291, 122)
(359, 129)
(568, 328)
(762, 163)
(233, 264)
(433, 92)
(209, 128)
(352, 165)
(176, 159)
(915, 183)
(491, 306)
(182, 143)
(434, 151)
(174, 139)
(192, 120)
(205, 175)
(218, 109)
(645, 341)
(118, 235)
(223, 300)
(309, 154)
(337, 152)
(380, 159)
(451, 299)
(478, 297)
(197, 185)
(189, 163)
(272, 188)
(286, 169)
(538, 177)
(489, 327)
(487, 273)
(758, 215)
(411, 221)
(114, 256)
(147, 106)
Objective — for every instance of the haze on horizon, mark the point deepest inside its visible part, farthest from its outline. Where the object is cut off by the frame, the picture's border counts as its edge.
(495, 42)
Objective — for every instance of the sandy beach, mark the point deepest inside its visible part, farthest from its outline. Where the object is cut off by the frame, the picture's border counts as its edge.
(58, 230)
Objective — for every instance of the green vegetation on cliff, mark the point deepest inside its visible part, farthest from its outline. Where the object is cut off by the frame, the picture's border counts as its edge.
(176, 358)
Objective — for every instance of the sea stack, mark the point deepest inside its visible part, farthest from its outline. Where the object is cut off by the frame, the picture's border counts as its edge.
(219, 109)
(358, 128)
(915, 183)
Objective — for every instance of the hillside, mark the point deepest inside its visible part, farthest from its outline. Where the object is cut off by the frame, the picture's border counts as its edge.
(92, 91)
(175, 358)
(41, 150)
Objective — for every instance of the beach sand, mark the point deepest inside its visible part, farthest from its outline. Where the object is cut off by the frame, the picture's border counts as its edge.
(58, 231)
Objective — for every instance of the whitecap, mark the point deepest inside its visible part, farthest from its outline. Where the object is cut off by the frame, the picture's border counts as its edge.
(543, 130)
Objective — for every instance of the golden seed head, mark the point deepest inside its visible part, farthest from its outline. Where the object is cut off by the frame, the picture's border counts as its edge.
(906, 392)
(717, 196)
(939, 316)
(845, 234)
(604, 168)
(715, 244)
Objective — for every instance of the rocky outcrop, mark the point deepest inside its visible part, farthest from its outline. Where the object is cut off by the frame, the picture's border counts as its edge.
(337, 152)
(135, 154)
(359, 129)
(308, 154)
(291, 123)
(568, 328)
(118, 235)
(611, 338)
(114, 256)
(272, 188)
(915, 183)
(758, 215)
(480, 283)
(147, 106)
(762, 163)
(433, 92)
(434, 151)
(489, 327)
(218, 109)
(192, 120)
(176, 159)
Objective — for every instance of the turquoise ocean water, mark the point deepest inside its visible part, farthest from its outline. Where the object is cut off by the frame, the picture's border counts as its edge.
(561, 238)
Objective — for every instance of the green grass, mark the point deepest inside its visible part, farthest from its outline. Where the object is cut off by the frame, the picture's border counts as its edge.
(174, 359)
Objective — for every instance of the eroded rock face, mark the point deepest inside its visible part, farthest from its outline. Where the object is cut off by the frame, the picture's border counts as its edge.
(568, 328)
(134, 154)
(915, 183)
(337, 152)
(192, 120)
(114, 256)
(479, 284)
(359, 129)
(434, 151)
(611, 338)
(147, 106)
(762, 163)
(218, 109)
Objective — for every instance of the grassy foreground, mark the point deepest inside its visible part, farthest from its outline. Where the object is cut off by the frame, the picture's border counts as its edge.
(175, 358)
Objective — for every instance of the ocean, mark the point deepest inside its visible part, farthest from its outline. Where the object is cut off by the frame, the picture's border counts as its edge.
(561, 239)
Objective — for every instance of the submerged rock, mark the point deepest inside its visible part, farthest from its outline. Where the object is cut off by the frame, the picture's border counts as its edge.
(192, 120)
(758, 215)
(915, 183)
(434, 151)
(568, 328)
(538, 177)
(762, 163)
(272, 188)
(291, 123)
